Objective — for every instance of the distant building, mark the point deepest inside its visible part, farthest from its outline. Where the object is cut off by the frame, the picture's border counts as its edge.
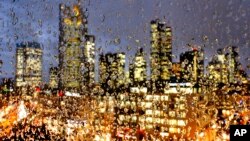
(112, 71)
(73, 28)
(121, 60)
(89, 60)
(233, 63)
(161, 53)
(192, 63)
(218, 69)
(103, 72)
(53, 77)
(138, 72)
(225, 67)
(28, 64)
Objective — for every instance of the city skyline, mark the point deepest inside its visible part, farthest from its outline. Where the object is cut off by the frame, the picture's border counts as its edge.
(124, 69)
(114, 40)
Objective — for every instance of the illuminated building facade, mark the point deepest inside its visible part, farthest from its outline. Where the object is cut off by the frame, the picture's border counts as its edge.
(53, 77)
(103, 72)
(218, 69)
(138, 70)
(233, 63)
(225, 67)
(129, 108)
(28, 64)
(112, 71)
(121, 60)
(161, 53)
(73, 28)
(166, 113)
(89, 60)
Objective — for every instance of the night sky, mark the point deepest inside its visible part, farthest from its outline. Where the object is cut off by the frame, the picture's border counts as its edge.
(223, 22)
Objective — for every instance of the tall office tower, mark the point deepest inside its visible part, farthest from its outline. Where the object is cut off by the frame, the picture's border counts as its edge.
(192, 63)
(121, 76)
(112, 71)
(73, 28)
(138, 72)
(217, 68)
(236, 72)
(232, 62)
(89, 60)
(28, 64)
(103, 75)
(53, 77)
(161, 53)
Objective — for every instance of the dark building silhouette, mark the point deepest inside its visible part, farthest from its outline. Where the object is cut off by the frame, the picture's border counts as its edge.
(192, 64)
(112, 72)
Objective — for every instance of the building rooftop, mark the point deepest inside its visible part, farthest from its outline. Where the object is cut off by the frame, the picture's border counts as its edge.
(90, 38)
(28, 44)
(53, 69)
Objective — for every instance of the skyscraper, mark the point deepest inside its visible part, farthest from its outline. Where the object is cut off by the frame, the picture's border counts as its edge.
(138, 70)
(192, 63)
(226, 67)
(121, 60)
(73, 28)
(161, 53)
(218, 69)
(89, 59)
(28, 64)
(112, 71)
(232, 62)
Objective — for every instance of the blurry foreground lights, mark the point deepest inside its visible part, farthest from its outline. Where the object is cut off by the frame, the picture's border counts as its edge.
(202, 134)
(214, 126)
(49, 102)
(62, 103)
(225, 136)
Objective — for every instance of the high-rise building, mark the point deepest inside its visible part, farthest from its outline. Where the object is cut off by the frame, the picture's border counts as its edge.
(192, 63)
(236, 72)
(218, 69)
(103, 69)
(89, 60)
(232, 62)
(112, 71)
(161, 53)
(226, 67)
(73, 28)
(53, 77)
(138, 72)
(28, 64)
(121, 60)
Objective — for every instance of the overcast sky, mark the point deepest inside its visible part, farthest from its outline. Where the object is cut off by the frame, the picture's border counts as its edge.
(224, 22)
